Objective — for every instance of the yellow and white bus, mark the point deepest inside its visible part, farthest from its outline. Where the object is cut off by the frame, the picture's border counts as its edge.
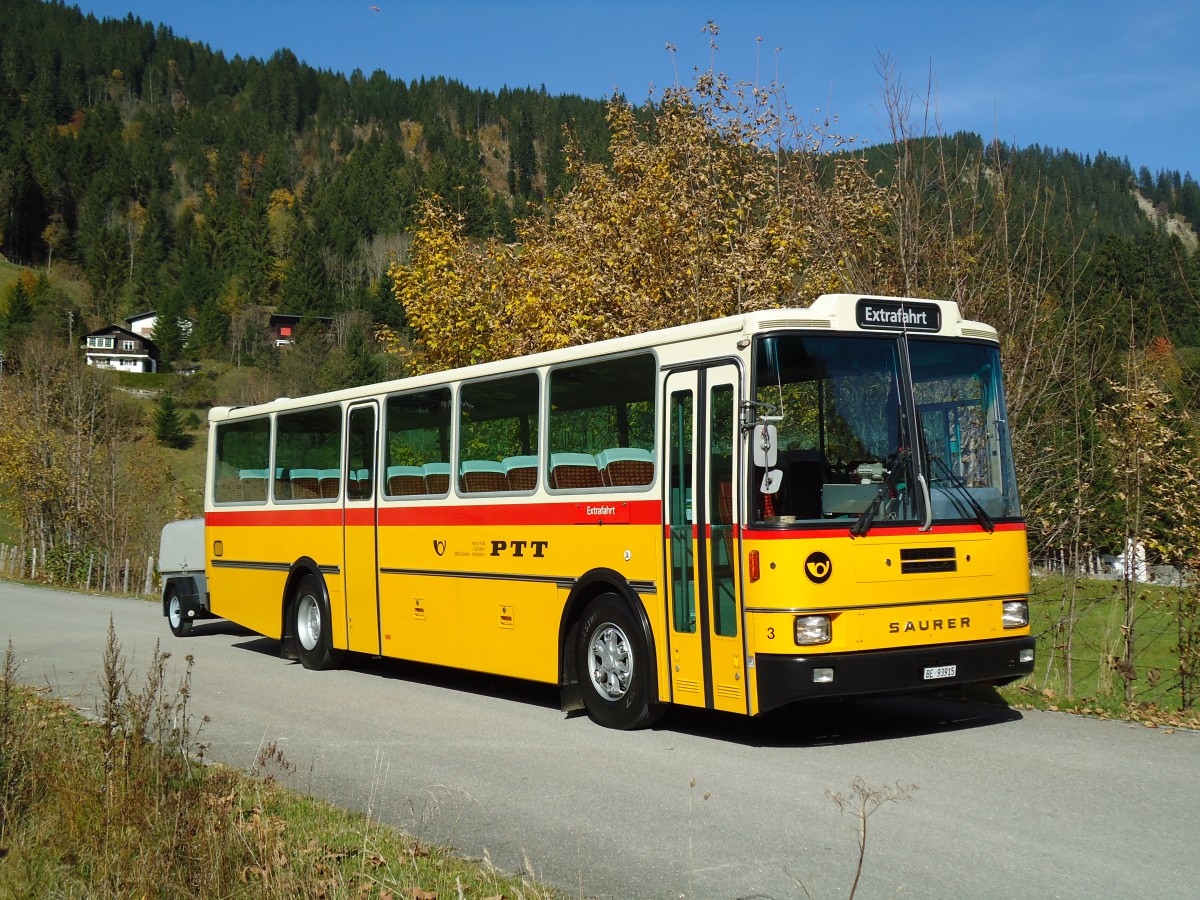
(735, 515)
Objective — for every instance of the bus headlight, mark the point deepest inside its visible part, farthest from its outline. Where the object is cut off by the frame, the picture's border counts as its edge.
(1016, 613)
(813, 630)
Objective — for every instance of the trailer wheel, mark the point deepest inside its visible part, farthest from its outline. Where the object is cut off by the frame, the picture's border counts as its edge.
(181, 626)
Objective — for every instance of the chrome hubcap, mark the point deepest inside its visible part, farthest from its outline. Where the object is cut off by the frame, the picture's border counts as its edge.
(610, 662)
(308, 622)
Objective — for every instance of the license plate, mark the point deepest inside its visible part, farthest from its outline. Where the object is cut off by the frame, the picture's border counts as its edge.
(933, 672)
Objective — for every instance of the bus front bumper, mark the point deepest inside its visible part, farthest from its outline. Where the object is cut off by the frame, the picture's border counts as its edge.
(786, 679)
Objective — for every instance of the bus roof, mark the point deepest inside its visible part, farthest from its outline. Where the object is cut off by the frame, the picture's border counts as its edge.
(843, 313)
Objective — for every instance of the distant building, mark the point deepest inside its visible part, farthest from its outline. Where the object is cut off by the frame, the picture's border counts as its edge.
(144, 324)
(122, 349)
(283, 326)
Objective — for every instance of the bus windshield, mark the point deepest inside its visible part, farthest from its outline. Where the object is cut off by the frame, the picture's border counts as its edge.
(847, 447)
(967, 453)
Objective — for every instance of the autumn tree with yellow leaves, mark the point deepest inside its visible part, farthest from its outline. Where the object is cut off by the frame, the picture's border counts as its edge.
(717, 203)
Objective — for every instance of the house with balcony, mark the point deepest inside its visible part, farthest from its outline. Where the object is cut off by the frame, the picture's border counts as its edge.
(115, 347)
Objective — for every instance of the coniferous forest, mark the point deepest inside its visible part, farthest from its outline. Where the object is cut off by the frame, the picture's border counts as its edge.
(140, 171)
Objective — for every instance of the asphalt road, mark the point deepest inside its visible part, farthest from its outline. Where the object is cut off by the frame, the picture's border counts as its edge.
(1007, 804)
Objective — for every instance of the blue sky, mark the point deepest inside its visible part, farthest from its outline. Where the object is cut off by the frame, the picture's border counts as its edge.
(1118, 77)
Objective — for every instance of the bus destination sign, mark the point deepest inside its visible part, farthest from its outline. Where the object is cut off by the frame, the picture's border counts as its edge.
(898, 315)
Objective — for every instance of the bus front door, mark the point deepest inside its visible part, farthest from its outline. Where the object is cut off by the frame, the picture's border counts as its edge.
(707, 648)
(360, 491)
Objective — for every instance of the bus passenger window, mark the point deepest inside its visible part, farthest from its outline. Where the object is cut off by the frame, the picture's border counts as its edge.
(308, 451)
(243, 454)
(602, 421)
(498, 421)
(418, 444)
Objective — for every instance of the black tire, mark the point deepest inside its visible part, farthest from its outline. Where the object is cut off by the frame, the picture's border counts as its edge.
(312, 626)
(616, 673)
(181, 625)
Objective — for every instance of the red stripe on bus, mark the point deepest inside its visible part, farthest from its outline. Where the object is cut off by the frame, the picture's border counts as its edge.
(640, 512)
(273, 518)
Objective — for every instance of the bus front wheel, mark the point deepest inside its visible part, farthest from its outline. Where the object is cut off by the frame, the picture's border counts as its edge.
(312, 626)
(614, 666)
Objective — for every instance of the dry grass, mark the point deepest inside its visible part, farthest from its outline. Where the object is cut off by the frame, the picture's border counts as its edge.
(126, 807)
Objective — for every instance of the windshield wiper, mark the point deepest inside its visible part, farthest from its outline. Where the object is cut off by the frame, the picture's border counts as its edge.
(980, 513)
(863, 524)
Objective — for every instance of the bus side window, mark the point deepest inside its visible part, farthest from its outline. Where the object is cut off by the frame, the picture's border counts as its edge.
(498, 421)
(243, 453)
(417, 448)
(308, 446)
(603, 412)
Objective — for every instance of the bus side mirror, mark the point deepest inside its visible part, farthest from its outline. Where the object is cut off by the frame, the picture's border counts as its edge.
(765, 445)
(771, 481)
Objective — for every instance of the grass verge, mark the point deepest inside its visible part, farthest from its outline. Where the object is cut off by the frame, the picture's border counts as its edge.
(125, 806)
(1095, 686)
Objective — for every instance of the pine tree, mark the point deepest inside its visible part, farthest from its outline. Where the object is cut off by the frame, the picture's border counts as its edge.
(168, 430)
(16, 325)
(304, 290)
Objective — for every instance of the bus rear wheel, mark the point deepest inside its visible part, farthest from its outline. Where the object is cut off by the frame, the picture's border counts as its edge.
(312, 626)
(614, 666)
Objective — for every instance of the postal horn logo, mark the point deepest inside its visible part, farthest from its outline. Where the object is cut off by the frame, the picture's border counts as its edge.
(439, 547)
(818, 567)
